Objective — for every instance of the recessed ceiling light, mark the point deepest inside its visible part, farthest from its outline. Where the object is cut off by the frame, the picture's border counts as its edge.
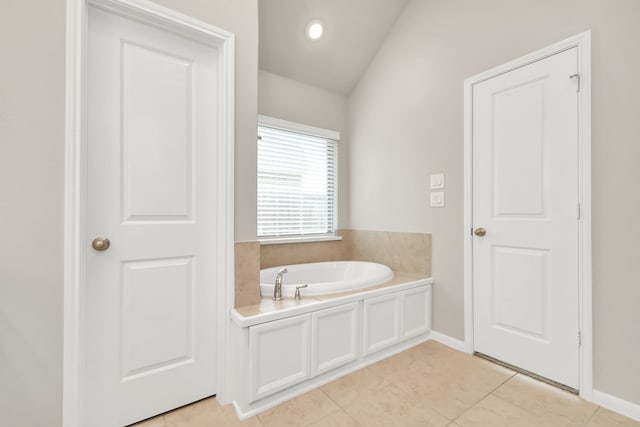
(314, 30)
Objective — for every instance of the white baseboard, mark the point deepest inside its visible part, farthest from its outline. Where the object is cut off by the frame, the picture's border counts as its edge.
(616, 404)
(448, 341)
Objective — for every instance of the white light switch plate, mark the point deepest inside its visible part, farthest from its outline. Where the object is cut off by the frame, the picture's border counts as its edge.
(437, 199)
(437, 180)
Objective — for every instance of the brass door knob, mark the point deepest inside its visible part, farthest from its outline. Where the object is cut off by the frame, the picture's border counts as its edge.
(480, 231)
(100, 244)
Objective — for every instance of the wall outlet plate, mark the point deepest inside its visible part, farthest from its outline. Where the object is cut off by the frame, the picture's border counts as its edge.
(437, 199)
(437, 180)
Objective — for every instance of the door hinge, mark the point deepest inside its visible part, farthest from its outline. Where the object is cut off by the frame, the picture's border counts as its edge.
(576, 76)
(579, 339)
(578, 211)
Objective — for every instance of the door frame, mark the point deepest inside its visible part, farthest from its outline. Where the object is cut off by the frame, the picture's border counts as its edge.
(582, 42)
(73, 378)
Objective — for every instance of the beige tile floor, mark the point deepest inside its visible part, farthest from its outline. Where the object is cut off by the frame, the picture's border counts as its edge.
(428, 385)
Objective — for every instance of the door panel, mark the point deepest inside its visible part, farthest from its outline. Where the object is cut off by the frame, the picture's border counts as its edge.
(335, 333)
(525, 194)
(157, 335)
(270, 368)
(520, 309)
(381, 323)
(517, 150)
(416, 312)
(157, 96)
(151, 188)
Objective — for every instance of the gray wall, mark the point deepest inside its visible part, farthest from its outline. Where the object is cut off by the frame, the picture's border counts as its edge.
(288, 99)
(241, 18)
(406, 122)
(32, 44)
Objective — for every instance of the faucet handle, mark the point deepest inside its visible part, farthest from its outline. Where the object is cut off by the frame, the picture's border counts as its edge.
(297, 294)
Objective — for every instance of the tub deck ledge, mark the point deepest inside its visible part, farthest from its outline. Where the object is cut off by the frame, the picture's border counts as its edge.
(269, 310)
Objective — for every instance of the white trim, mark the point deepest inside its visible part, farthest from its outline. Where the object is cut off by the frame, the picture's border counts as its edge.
(297, 239)
(272, 122)
(582, 42)
(75, 183)
(585, 255)
(226, 226)
(621, 406)
(73, 326)
(448, 341)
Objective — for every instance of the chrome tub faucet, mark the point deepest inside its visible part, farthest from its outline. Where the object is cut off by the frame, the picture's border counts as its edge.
(277, 290)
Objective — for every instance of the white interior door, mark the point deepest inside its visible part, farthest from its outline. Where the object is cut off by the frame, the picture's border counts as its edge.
(525, 195)
(152, 129)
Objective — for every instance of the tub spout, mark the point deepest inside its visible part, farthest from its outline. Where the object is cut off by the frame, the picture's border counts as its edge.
(277, 290)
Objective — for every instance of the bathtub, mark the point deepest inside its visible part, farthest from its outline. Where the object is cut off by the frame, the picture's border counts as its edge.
(284, 349)
(325, 277)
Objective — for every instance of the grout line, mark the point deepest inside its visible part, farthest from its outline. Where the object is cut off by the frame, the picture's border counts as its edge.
(592, 415)
(323, 416)
(503, 383)
(330, 398)
(529, 411)
(534, 415)
(340, 407)
(490, 393)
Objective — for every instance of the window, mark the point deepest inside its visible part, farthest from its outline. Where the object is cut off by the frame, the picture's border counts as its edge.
(297, 181)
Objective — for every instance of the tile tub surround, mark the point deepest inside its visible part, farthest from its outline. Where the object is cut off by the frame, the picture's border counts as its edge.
(403, 252)
(247, 274)
(301, 253)
(447, 388)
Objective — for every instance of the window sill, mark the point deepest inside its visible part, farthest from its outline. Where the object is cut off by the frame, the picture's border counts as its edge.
(298, 239)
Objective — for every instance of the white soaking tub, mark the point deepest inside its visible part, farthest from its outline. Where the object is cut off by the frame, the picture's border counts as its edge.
(325, 277)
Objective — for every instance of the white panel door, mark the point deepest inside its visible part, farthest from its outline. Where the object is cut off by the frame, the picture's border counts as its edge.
(525, 195)
(151, 190)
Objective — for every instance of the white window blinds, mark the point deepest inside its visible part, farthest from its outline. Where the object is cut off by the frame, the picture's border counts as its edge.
(297, 184)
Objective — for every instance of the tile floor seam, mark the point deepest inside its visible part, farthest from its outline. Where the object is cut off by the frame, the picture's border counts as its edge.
(338, 409)
(502, 383)
(332, 399)
(348, 415)
(446, 417)
(406, 398)
(470, 407)
(592, 415)
(534, 415)
(490, 393)
(537, 415)
(497, 387)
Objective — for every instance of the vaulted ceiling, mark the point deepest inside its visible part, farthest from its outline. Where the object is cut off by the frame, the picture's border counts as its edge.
(353, 32)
